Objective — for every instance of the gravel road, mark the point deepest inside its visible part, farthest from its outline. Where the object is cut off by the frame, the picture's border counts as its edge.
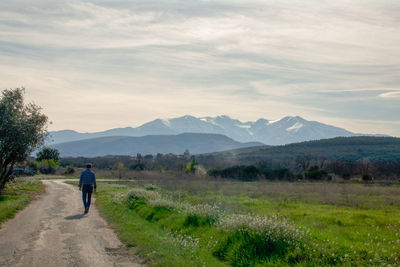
(52, 231)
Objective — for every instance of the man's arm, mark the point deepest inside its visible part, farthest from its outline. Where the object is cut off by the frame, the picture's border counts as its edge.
(80, 182)
(94, 182)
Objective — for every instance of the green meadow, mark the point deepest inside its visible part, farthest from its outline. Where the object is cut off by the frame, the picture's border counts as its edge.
(17, 195)
(224, 223)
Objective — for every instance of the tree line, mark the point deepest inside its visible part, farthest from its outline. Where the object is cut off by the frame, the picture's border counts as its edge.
(301, 167)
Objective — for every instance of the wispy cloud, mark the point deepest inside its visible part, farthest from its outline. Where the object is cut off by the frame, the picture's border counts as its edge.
(118, 63)
(395, 94)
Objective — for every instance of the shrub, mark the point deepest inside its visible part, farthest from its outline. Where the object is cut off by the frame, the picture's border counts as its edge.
(69, 170)
(211, 213)
(138, 193)
(315, 173)
(256, 238)
(195, 221)
(35, 168)
(241, 172)
(48, 166)
(346, 176)
(137, 167)
(283, 174)
(367, 177)
(280, 174)
(214, 172)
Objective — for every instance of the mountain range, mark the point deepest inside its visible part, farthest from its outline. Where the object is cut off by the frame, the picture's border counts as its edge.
(287, 130)
(196, 143)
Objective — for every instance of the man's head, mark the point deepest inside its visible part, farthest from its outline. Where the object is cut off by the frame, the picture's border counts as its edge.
(89, 165)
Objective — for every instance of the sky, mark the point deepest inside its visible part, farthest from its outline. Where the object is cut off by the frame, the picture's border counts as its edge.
(96, 65)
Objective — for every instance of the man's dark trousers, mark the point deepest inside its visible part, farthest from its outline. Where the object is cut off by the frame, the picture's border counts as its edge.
(87, 190)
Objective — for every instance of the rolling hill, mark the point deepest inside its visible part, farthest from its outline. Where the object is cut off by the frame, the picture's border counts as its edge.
(343, 148)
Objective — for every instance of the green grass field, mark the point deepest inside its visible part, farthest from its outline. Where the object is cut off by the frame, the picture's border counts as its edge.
(17, 195)
(224, 223)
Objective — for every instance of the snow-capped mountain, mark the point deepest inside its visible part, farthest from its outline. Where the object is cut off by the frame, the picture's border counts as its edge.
(284, 131)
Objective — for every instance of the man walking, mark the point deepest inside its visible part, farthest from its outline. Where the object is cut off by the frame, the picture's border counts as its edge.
(86, 183)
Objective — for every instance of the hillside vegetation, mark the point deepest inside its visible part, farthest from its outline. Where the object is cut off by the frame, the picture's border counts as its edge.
(366, 158)
(341, 148)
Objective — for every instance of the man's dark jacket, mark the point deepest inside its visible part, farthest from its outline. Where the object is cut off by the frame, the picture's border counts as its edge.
(87, 177)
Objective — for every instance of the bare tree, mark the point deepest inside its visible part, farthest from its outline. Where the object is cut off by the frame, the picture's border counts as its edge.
(303, 162)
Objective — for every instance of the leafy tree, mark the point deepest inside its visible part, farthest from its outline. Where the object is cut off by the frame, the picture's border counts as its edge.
(315, 173)
(23, 128)
(214, 172)
(137, 166)
(48, 153)
(280, 174)
(191, 166)
(249, 173)
(367, 177)
(241, 172)
(120, 167)
(148, 157)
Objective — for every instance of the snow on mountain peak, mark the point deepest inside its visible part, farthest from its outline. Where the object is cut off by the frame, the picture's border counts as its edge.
(272, 122)
(166, 122)
(186, 117)
(295, 127)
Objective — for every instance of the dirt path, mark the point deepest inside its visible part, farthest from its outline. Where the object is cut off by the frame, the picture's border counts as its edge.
(52, 231)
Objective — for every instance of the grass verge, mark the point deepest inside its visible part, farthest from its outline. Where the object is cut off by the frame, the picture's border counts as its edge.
(154, 231)
(17, 195)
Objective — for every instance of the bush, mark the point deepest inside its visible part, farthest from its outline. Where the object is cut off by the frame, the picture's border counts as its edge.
(367, 177)
(346, 176)
(69, 170)
(48, 166)
(35, 168)
(214, 172)
(252, 239)
(315, 173)
(137, 167)
(251, 173)
(195, 221)
(283, 174)
(280, 174)
(242, 172)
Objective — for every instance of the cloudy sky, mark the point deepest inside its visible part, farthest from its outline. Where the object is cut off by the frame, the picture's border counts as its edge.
(95, 65)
